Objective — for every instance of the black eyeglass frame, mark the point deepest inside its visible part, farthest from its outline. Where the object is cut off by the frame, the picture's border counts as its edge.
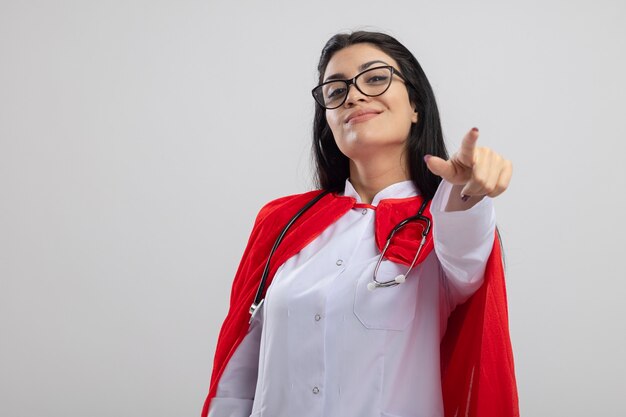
(353, 82)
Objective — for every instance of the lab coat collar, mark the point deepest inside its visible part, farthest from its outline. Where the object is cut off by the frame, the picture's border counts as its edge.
(402, 189)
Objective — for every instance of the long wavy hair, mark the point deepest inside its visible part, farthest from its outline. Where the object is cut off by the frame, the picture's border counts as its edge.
(425, 136)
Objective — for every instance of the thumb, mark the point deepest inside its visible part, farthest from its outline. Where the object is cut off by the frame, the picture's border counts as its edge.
(439, 166)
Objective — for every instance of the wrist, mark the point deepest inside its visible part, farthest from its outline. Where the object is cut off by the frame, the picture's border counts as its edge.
(456, 202)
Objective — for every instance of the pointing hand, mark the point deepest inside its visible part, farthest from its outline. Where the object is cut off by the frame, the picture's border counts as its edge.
(480, 170)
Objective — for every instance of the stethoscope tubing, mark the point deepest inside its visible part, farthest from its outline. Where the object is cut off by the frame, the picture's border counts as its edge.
(401, 278)
(375, 283)
(257, 298)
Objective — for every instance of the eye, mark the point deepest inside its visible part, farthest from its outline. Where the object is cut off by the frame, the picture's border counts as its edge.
(334, 92)
(376, 79)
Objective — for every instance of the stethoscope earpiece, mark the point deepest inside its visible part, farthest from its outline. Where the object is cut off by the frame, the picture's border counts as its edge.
(375, 284)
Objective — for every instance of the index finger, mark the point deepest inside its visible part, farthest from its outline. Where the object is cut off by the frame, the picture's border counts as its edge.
(468, 146)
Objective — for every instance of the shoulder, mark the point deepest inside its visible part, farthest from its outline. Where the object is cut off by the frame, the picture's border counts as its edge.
(287, 206)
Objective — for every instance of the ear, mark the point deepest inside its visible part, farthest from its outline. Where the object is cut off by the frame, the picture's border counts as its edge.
(415, 114)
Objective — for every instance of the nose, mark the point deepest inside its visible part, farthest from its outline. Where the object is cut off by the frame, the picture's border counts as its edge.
(354, 95)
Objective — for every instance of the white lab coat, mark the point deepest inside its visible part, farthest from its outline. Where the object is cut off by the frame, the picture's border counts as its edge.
(323, 345)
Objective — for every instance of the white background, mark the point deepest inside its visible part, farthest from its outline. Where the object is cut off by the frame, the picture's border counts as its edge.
(138, 139)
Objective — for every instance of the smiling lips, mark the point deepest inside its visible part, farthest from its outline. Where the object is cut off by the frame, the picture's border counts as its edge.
(361, 116)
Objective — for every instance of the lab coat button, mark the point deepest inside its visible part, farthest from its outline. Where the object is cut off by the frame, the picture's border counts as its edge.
(317, 317)
(316, 390)
(339, 262)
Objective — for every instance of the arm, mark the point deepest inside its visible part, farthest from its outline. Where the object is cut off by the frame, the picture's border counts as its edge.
(464, 221)
(236, 388)
(463, 240)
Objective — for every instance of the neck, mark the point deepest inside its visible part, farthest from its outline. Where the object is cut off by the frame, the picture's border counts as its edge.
(370, 176)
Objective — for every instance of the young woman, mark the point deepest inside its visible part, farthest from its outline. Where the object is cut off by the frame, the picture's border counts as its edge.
(359, 319)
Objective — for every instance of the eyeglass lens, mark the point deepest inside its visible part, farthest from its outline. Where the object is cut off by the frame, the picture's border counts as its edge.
(372, 82)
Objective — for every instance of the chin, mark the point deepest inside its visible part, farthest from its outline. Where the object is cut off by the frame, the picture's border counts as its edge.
(355, 145)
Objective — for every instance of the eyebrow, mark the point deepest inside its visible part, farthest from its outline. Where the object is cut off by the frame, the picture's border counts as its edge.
(362, 67)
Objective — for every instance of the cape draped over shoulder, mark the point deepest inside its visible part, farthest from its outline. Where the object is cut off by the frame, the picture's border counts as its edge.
(478, 378)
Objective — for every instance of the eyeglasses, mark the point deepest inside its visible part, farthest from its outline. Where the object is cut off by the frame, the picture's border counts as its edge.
(372, 82)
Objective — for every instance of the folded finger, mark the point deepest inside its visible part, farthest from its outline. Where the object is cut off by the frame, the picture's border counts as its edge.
(503, 180)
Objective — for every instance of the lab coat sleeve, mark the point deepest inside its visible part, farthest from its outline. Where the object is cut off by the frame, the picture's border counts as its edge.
(463, 241)
(236, 388)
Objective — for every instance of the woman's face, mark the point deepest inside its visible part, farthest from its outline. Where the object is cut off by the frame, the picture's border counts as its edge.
(363, 124)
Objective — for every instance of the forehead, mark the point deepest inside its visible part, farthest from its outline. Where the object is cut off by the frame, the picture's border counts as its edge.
(346, 61)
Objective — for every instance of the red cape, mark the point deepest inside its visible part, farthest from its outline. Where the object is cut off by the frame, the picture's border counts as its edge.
(477, 379)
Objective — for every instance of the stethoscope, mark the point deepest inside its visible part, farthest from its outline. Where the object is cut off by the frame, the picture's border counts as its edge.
(419, 217)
